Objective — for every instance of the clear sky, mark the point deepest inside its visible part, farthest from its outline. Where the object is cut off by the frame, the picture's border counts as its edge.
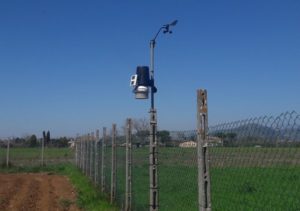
(65, 65)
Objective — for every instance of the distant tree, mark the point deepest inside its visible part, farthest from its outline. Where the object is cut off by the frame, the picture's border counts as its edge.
(60, 142)
(48, 138)
(32, 141)
(141, 130)
(164, 136)
(181, 136)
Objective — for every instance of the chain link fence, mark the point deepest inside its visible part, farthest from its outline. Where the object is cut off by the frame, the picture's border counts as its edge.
(254, 165)
(16, 153)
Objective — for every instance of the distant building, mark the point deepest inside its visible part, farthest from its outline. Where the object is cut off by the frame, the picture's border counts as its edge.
(188, 144)
(212, 142)
(71, 144)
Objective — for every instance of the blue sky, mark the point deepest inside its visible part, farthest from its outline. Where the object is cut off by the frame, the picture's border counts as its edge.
(65, 65)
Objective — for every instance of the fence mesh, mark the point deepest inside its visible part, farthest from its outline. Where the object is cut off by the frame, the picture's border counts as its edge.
(140, 177)
(107, 164)
(21, 155)
(178, 172)
(121, 175)
(254, 163)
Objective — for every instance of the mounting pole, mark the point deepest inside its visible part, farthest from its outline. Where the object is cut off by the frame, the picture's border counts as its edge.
(204, 197)
(153, 151)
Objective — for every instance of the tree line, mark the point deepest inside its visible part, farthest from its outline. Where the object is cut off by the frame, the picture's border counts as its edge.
(33, 141)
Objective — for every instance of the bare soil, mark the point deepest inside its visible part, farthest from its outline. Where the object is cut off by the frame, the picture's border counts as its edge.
(24, 192)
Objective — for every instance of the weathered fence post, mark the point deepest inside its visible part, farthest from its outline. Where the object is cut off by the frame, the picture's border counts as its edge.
(76, 152)
(43, 147)
(81, 153)
(103, 146)
(204, 197)
(7, 153)
(113, 165)
(86, 155)
(128, 193)
(92, 138)
(96, 170)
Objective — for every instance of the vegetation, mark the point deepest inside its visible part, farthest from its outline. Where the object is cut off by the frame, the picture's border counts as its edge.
(248, 179)
(242, 178)
(33, 141)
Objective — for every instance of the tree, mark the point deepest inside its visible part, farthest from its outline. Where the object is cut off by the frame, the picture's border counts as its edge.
(164, 136)
(48, 138)
(141, 129)
(32, 141)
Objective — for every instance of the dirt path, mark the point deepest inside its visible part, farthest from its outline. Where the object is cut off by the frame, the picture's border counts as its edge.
(23, 192)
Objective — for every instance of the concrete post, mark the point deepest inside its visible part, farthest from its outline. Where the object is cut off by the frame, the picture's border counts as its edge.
(204, 197)
(128, 193)
(7, 153)
(96, 170)
(92, 138)
(113, 164)
(103, 146)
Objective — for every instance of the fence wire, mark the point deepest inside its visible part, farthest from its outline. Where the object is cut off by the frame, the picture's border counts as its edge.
(254, 165)
(22, 155)
(121, 175)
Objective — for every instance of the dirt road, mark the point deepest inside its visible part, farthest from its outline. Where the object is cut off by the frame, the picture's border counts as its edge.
(32, 192)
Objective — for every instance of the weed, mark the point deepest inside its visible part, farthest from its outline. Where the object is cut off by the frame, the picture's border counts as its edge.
(65, 203)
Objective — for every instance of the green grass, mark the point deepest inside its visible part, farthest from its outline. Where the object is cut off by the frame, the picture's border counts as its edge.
(32, 156)
(241, 179)
(88, 197)
(253, 188)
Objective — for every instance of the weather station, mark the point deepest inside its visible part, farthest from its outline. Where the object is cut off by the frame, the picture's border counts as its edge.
(143, 83)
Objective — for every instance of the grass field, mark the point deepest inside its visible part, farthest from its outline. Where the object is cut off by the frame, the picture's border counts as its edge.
(241, 178)
(33, 156)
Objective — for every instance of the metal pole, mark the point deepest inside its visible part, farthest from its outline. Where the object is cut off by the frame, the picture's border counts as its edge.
(113, 165)
(103, 160)
(128, 193)
(204, 197)
(153, 151)
(7, 153)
